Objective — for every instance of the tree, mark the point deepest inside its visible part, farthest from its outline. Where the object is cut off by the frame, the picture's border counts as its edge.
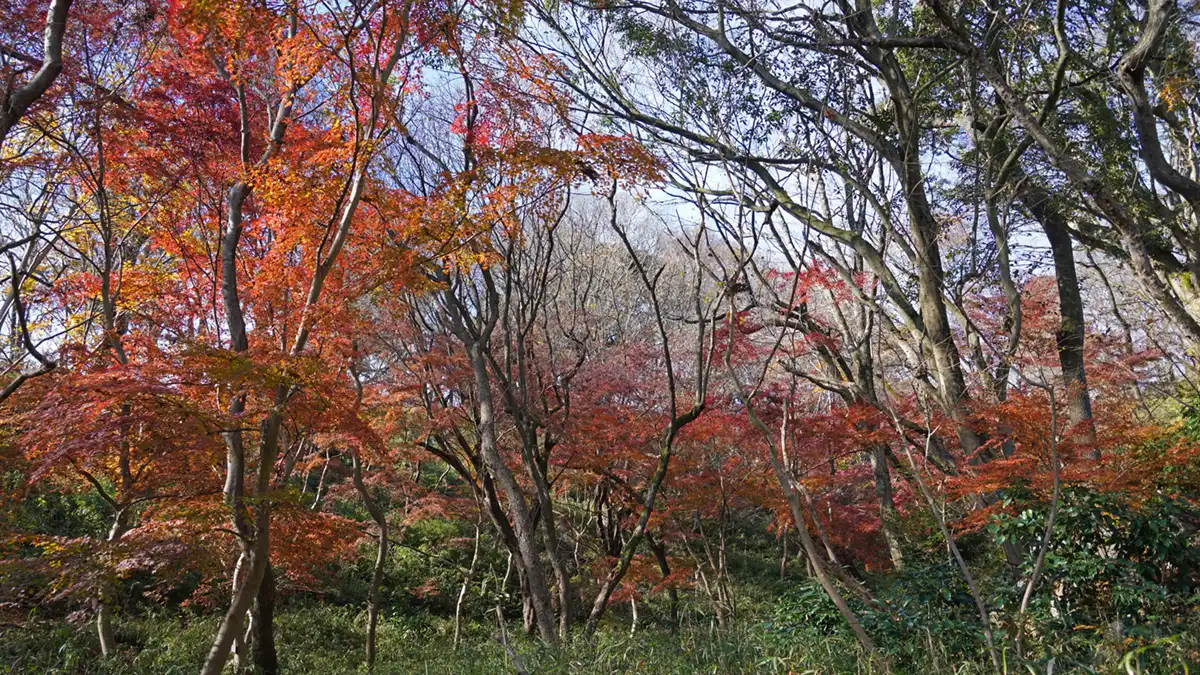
(17, 100)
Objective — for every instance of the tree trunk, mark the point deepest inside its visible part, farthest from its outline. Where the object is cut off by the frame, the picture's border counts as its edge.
(980, 604)
(1127, 221)
(239, 657)
(791, 492)
(664, 567)
(558, 565)
(562, 577)
(108, 643)
(528, 613)
(889, 517)
(19, 99)
(475, 334)
(316, 504)
(381, 552)
(262, 623)
(1070, 335)
(937, 336)
(539, 592)
(814, 559)
(639, 531)
(104, 629)
(231, 624)
(783, 557)
(462, 592)
(259, 552)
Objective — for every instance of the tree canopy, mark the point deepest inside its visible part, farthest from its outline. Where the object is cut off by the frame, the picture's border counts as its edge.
(844, 337)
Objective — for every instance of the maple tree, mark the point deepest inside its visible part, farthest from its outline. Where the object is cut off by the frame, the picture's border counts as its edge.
(550, 308)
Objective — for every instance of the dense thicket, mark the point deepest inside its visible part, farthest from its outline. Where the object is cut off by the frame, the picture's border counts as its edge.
(723, 336)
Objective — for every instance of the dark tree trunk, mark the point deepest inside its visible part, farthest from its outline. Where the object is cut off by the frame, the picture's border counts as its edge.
(266, 660)
(1069, 338)
(380, 517)
(528, 613)
(524, 527)
(373, 590)
(660, 554)
(889, 517)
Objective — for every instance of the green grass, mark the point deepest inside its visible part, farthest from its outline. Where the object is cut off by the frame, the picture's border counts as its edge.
(314, 638)
(330, 640)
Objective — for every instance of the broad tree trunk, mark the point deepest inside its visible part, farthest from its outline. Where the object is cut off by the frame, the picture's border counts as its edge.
(475, 334)
(937, 336)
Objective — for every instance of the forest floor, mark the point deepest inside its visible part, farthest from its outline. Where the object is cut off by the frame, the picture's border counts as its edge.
(328, 639)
